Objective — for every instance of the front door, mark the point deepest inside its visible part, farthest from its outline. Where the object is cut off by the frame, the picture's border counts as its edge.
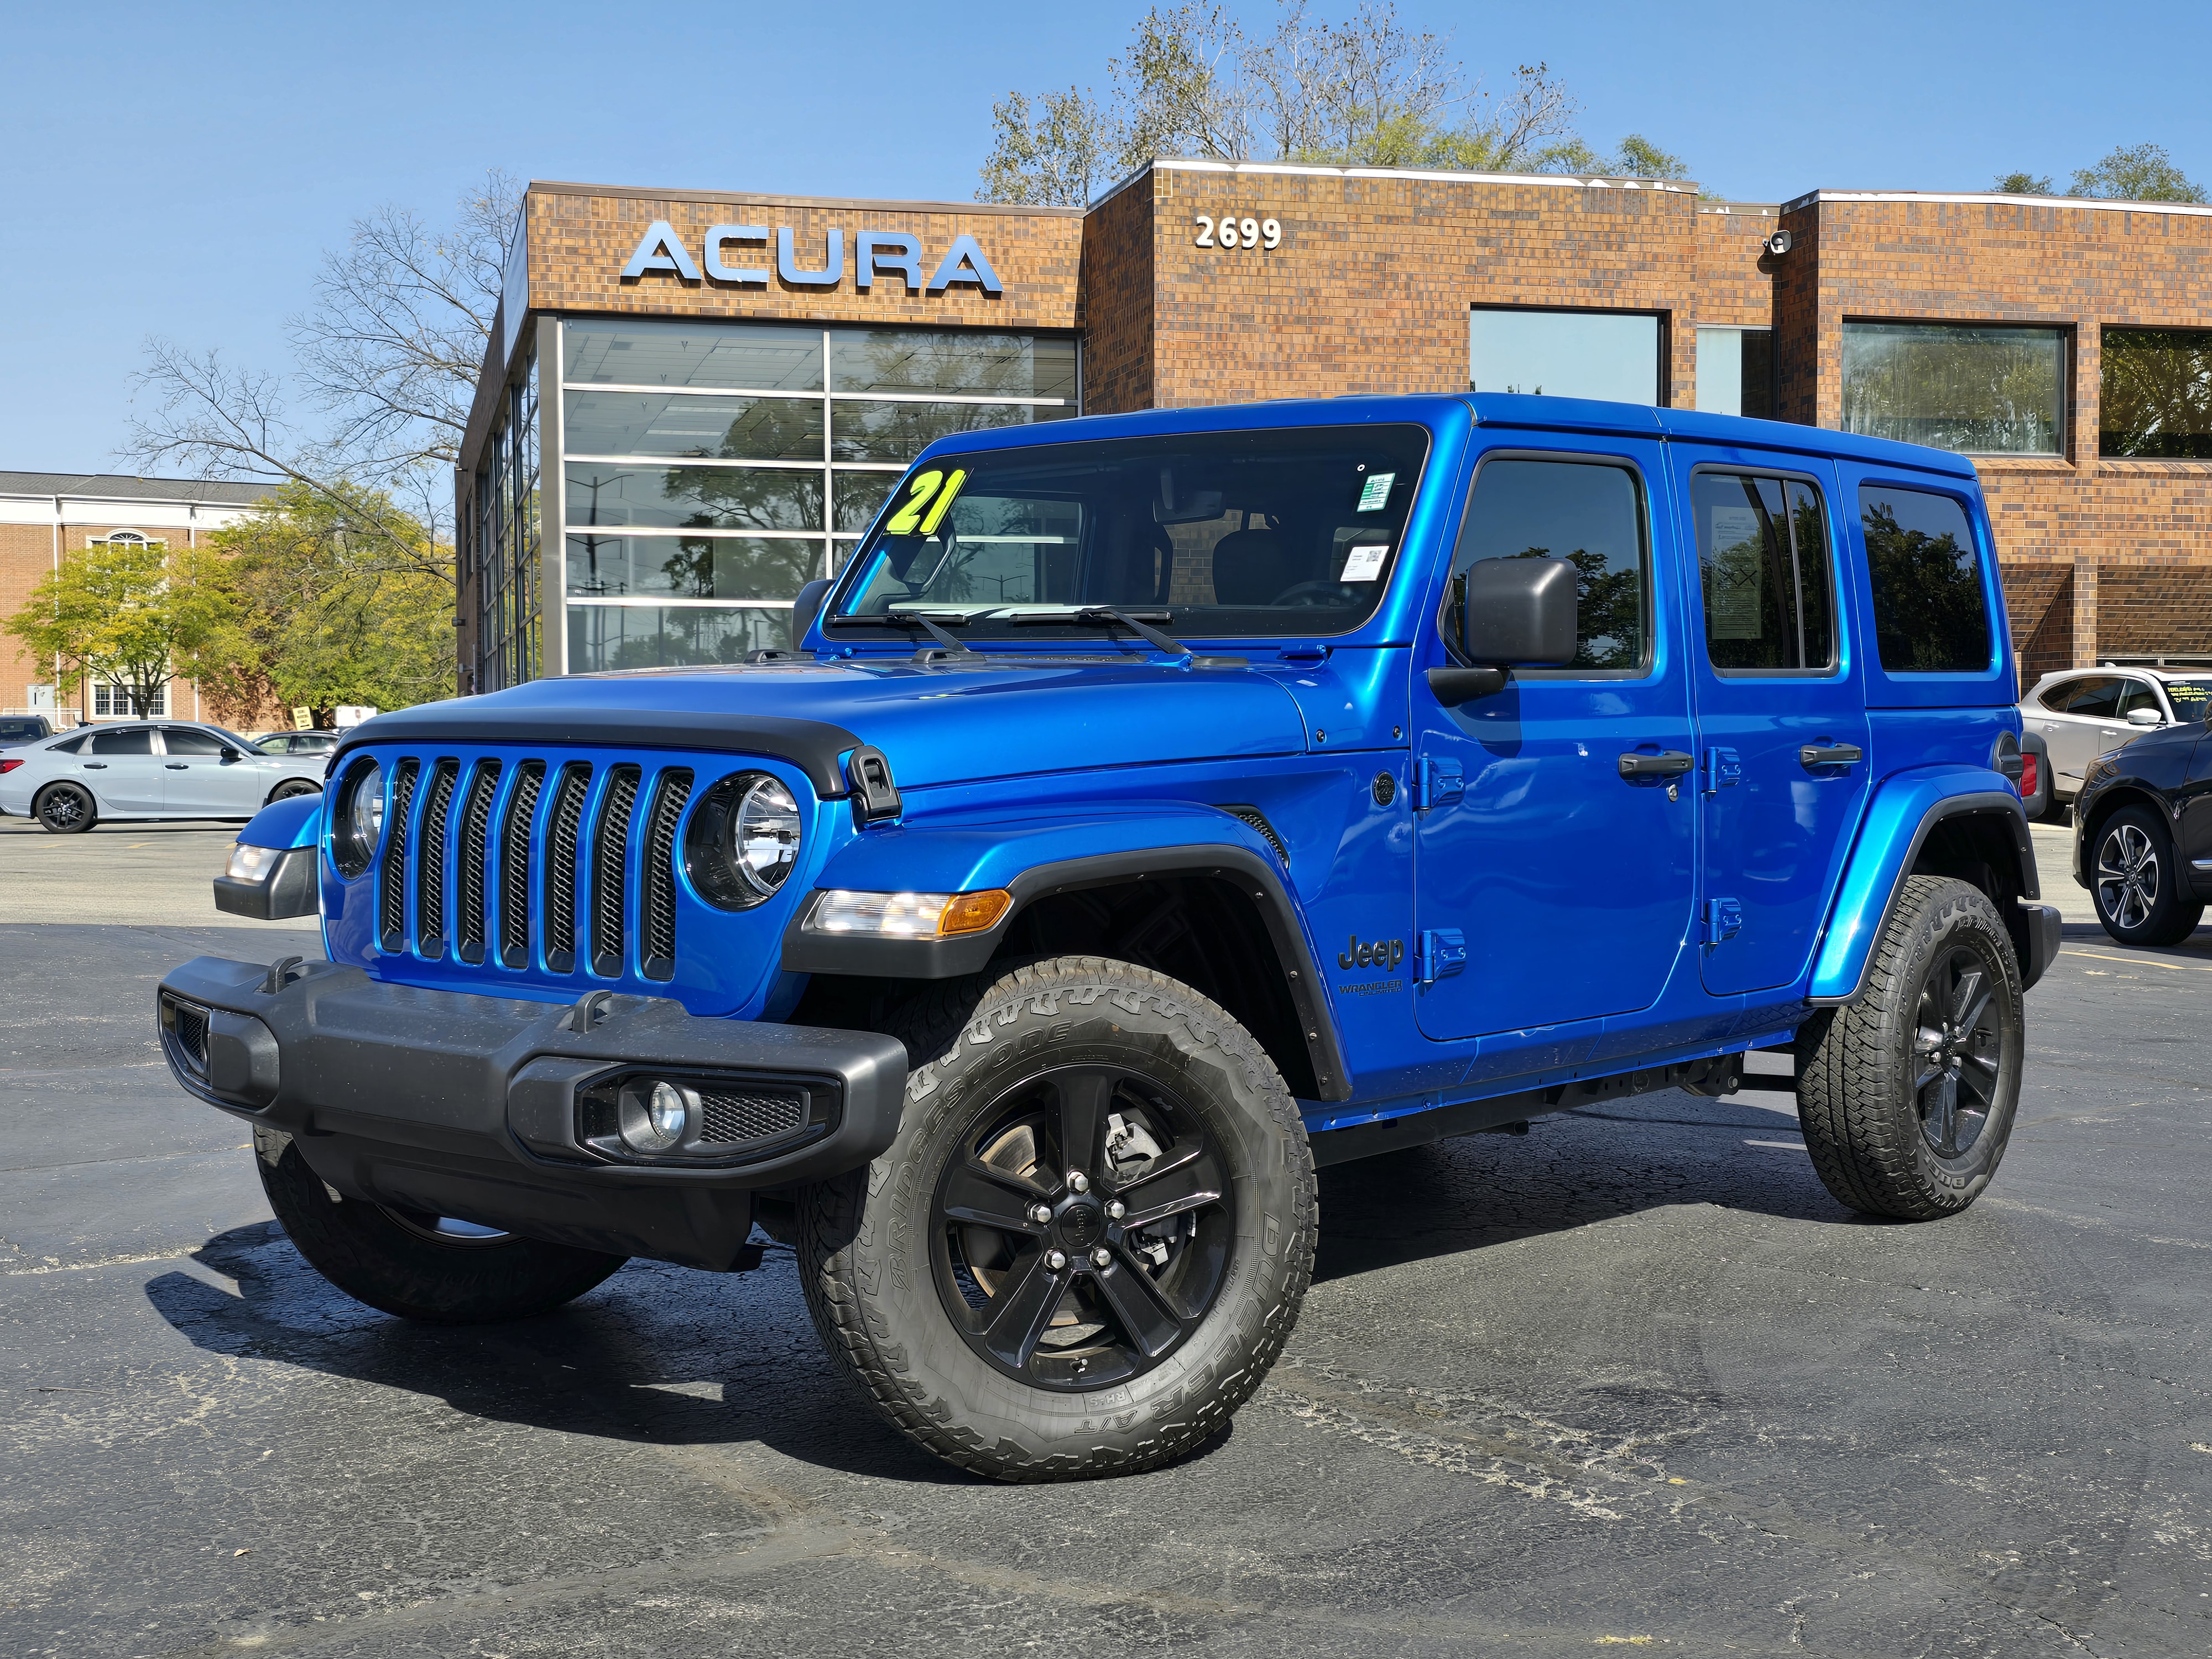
(1782, 726)
(202, 783)
(2078, 715)
(1554, 839)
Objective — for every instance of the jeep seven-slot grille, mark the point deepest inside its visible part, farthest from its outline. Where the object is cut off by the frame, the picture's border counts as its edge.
(475, 836)
(610, 863)
(658, 895)
(565, 829)
(568, 867)
(514, 848)
(430, 935)
(391, 895)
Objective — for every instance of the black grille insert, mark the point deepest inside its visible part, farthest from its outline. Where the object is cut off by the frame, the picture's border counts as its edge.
(430, 882)
(610, 860)
(476, 833)
(563, 832)
(514, 850)
(185, 1026)
(734, 1120)
(392, 890)
(659, 887)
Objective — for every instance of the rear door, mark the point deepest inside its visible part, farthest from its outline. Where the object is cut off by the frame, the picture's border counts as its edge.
(124, 771)
(1548, 887)
(1782, 770)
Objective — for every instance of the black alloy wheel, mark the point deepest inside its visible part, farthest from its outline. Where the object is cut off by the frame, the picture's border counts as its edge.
(1958, 1051)
(1084, 1228)
(65, 809)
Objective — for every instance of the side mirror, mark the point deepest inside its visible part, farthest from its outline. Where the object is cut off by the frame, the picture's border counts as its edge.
(1517, 612)
(231, 755)
(806, 607)
(2145, 717)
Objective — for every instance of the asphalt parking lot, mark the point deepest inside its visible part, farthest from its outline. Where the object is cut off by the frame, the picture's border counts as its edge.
(1631, 1381)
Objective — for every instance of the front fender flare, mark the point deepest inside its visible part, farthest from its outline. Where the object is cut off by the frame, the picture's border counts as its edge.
(1033, 858)
(1905, 807)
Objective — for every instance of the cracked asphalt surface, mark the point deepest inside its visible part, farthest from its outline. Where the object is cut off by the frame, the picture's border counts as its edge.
(1632, 1380)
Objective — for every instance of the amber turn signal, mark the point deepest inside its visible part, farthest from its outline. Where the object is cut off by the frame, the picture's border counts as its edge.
(971, 913)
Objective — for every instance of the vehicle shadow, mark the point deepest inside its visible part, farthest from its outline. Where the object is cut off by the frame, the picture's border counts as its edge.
(669, 1356)
(1570, 1171)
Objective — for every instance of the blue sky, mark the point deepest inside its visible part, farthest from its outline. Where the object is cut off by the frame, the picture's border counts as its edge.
(177, 170)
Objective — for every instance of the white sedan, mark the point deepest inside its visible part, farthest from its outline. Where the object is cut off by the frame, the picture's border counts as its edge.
(142, 770)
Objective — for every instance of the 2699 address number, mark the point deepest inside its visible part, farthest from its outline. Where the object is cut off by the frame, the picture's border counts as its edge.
(1230, 231)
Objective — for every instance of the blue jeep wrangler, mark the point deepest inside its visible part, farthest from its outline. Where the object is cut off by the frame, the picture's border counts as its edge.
(1156, 808)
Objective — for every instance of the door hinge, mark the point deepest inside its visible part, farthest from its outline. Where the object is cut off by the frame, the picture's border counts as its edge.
(1723, 920)
(1443, 953)
(1436, 783)
(1724, 769)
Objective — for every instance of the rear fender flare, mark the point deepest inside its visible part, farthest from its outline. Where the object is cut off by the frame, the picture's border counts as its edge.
(1905, 809)
(1033, 858)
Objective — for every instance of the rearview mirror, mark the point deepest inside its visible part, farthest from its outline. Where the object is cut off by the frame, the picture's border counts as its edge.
(2145, 717)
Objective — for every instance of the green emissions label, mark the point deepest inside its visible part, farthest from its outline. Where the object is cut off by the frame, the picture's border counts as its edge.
(1375, 493)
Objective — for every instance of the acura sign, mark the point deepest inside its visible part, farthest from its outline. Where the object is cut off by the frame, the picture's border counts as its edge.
(875, 253)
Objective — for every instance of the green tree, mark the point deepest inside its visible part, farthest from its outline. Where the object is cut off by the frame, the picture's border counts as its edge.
(308, 601)
(2022, 184)
(119, 613)
(2142, 172)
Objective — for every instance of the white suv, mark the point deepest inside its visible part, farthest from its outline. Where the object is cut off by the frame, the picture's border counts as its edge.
(2083, 713)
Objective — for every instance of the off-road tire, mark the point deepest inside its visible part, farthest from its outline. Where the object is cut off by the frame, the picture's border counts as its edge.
(2174, 912)
(1857, 1064)
(49, 809)
(368, 1253)
(864, 1247)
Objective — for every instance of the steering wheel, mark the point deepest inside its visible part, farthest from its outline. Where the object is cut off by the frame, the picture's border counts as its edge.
(1310, 595)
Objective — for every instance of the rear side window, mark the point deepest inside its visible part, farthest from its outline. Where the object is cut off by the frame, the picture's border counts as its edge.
(138, 742)
(1762, 564)
(1929, 613)
(67, 745)
(1587, 513)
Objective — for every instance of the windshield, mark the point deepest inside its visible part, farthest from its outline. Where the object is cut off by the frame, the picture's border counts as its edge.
(2190, 697)
(1289, 531)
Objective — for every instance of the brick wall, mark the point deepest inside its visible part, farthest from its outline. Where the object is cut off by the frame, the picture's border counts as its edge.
(26, 558)
(1117, 300)
(2154, 609)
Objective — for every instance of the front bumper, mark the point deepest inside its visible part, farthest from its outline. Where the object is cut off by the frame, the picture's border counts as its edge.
(482, 1108)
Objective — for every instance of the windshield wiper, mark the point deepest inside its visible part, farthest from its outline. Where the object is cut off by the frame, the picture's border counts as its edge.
(1102, 615)
(914, 619)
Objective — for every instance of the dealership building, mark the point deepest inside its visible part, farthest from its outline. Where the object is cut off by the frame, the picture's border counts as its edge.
(693, 403)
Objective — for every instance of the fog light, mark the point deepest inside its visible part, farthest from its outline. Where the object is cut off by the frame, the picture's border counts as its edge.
(654, 1121)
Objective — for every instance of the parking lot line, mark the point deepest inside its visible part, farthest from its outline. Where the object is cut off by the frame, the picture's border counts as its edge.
(2153, 961)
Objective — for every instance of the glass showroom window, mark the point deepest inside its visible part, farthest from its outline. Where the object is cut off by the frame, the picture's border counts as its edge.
(711, 469)
(1608, 355)
(1736, 371)
(500, 543)
(2156, 398)
(1982, 391)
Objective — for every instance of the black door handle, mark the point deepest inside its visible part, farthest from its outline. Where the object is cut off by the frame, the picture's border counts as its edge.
(1668, 764)
(174, 766)
(95, 766)
(1830, 754)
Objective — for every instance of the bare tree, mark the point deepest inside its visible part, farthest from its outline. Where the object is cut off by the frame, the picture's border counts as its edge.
(1063, 150)
(388, 356)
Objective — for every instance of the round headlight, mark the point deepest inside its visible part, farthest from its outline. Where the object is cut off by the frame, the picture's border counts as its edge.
(743, 840)
(360, 823)
(764, 835)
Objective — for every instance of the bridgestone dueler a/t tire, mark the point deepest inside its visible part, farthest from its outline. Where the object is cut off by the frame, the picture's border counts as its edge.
(864, 1246)
(372, 1258)
(1855, 1064)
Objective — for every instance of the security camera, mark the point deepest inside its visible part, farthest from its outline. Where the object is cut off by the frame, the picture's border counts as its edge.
(1778, 243)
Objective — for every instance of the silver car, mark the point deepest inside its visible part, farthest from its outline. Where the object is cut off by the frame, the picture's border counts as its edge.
(2083, 713)
(140, 770)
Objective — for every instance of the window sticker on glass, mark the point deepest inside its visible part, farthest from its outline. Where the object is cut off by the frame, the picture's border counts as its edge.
(1365, 564)
(1732, 600)
(1374, 496)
